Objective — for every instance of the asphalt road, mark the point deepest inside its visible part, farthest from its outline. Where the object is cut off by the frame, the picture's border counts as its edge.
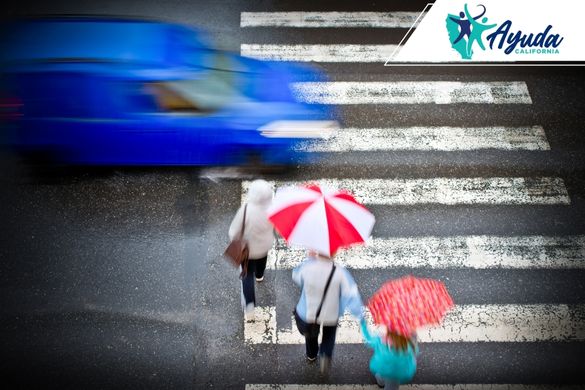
(112, 278)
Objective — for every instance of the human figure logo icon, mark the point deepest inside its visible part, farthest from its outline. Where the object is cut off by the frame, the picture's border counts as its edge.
(465, 30)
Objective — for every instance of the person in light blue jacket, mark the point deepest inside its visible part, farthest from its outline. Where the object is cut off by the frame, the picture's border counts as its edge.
(394, 359)
(311, 276)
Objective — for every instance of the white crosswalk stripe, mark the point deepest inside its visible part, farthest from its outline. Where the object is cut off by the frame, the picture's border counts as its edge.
(448, 191)
(466, 386)
(355, 53)
(443, 138)
(465, 323)
(412, 92)
(330, 19)
(319, 53)
(477, 252)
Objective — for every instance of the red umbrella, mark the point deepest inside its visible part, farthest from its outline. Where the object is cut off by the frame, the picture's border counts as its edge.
(406, 304)
(320, 218)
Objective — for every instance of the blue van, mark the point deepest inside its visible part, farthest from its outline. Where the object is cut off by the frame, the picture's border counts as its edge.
(100, 91)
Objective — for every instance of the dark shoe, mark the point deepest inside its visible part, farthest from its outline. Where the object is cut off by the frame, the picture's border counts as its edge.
(325, 365)
(310, 359)
(380, 382)
(260, 280)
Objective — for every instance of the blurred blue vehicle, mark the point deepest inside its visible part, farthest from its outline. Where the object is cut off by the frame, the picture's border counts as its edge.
(105, 91)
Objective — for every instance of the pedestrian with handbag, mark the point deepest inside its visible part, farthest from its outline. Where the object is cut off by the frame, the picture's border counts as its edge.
(251, 225)
(327, 291)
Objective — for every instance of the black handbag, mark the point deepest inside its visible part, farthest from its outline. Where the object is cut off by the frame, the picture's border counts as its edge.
(311, 330)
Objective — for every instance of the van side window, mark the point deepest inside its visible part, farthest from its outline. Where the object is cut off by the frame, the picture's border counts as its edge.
(210, 91)
(137, 98)
(171, 100)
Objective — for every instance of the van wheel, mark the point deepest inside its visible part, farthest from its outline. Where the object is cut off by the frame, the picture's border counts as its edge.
(254, 160)
(44, 164)
(37, 158)
(256, 164)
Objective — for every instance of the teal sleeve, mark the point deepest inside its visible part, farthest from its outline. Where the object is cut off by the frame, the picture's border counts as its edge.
(350, 298)
(415, 346)
(366, 332)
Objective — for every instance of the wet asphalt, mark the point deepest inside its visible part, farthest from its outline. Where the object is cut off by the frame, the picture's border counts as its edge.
(113, 277)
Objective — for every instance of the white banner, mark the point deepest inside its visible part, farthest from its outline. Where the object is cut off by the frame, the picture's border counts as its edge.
(497, 31)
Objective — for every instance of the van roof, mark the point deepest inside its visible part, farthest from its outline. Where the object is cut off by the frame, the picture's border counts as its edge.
(98, 40)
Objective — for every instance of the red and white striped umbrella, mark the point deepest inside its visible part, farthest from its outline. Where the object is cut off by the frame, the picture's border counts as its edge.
(320, 218)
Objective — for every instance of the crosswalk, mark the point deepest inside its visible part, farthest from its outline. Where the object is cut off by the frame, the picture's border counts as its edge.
(330, 19)
(354, 53)
(448, 191)
(475, 252)
(432, 138)
(465, 323)
(415, 387)
(319, 53)
(412, 92)
(470, 324)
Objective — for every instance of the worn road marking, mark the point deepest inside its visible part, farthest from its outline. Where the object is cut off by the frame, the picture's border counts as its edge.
(318, 53)
(431, 138)
(329, 19)
(448, 191)
(412, 92)
(466, 386)
(262, 330)
(477, 252)
(465, 323)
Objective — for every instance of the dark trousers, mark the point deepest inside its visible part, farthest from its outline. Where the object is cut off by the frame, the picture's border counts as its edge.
(255, 269)
(327, 343)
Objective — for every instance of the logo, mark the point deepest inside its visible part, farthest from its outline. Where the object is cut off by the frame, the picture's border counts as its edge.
(466, 30)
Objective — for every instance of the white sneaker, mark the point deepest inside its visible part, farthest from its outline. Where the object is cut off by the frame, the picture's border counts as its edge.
(249, 312)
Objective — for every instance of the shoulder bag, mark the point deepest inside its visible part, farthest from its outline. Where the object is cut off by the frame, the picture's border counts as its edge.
(311, 330)
(237, 251)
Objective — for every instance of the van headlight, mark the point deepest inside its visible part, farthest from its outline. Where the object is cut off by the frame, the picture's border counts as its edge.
(299, 129)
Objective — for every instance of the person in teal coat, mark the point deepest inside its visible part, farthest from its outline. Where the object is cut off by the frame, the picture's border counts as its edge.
(394, 359)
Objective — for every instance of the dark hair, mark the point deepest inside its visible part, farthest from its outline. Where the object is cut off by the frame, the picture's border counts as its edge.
(399, 341)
